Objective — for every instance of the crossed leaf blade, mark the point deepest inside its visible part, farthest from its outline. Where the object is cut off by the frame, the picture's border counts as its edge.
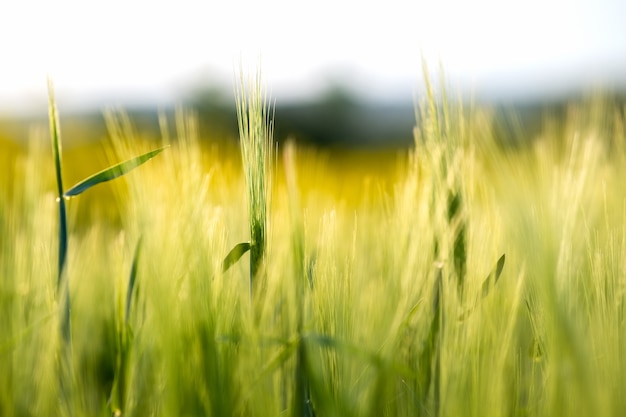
(111, 173)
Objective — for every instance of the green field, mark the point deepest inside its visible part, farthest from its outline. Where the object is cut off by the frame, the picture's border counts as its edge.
(380, 288)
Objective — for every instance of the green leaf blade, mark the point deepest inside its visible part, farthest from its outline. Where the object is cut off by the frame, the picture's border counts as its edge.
(131, 281)
(488, 284)
(112, 173)
(55, 135)
(233, 256)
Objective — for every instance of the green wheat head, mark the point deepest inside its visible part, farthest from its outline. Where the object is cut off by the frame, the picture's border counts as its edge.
(257, 153)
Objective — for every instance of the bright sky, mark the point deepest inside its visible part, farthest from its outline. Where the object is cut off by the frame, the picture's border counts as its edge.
(106, 52)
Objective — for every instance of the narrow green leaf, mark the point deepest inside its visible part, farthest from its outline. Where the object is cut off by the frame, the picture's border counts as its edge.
(112, 172)
(55, 135)
(487, 285)
(536, 349)
(117, 398)
(65, 370)
(233, 256)
(302, 403)
(131, 281)
(407, 320)
(428, 359)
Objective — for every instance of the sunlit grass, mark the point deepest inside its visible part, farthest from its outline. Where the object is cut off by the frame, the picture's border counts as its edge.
(361, 311)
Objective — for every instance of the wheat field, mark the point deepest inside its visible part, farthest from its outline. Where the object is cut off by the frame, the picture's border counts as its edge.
(459, 277)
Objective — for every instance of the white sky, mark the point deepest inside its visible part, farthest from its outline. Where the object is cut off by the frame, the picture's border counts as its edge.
(108, 51)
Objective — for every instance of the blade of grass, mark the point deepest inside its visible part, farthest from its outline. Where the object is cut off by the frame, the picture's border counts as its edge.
(302, 404)
(131, 280)
(429, 358)
(125, 335)
(493, 278)
(55, 135)
(111, 173)
(487, 286)
(235, 253)
(65, 369)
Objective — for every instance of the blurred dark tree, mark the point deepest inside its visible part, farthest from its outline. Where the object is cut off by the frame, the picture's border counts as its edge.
(335, 118)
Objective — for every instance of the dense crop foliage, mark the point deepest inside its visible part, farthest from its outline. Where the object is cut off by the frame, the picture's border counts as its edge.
(379, 293)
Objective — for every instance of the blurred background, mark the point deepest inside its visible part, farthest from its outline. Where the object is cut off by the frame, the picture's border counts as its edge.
(342, 73)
